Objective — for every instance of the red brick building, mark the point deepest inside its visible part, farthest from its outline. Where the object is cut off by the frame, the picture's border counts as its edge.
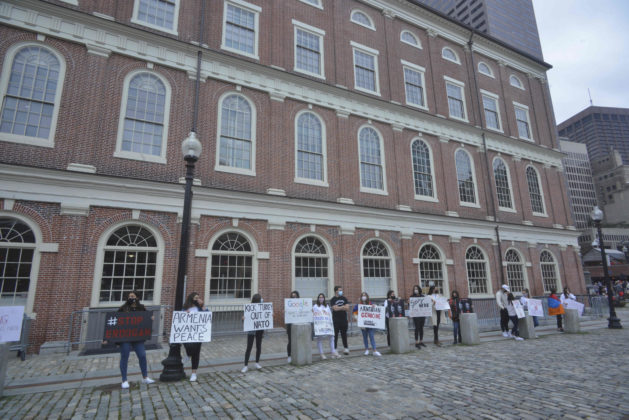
(367, 143)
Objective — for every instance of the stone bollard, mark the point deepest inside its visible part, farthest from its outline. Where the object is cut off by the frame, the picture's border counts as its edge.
(572, 321)
(526, 327)
(400, 342)
(301, 344)
(4, 365)
(469, 329)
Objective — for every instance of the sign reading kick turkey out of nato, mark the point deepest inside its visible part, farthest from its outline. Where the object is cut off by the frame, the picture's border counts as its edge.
(128, 326)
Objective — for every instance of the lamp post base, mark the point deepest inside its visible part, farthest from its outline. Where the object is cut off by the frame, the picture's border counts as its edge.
(173, 367)
(614, 322)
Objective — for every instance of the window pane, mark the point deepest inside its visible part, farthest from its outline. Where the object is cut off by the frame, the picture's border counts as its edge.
(421, 169)
(240, 29)
(157, 12)
(502, 184)
(414, 87)
(236, 132)
(308, 52)
(465, 178)
(309, 147)
(365, 70)
(371, 174)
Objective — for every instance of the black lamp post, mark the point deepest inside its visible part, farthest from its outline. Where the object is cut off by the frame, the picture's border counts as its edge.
(597, 217)
(191, 150)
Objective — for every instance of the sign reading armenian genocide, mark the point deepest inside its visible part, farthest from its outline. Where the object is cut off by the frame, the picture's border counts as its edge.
(11, 323)
(297, 311)
(258, 316)
(322, 318)
(128, 326)
(535, 307)
(191, 327)
(371, 316)
(419, 306)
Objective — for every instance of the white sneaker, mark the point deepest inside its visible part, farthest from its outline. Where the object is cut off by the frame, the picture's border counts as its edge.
(323, 356)
(377, 353)
(125, 385)
(509, 335)
(519, 338)
(258, 366)
(505, 334)
(290, 359)
(346, 351)
(336, 355)
(148, 381)
(193, 377)
(366, 352)
(244, 369)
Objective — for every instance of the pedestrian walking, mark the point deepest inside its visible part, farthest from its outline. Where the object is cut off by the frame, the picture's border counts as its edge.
(340, 308)
(251, 336)
(455, 315)
(293, 295)
(501, 300)
(194, 303)
(433, 292)
(524, 300)
(321, 305)
(513, 316)
(368, 333)
(418, 321)
(555, 308)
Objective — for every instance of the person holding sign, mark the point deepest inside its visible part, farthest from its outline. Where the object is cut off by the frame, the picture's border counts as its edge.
(524, 300)
(251, 335)
(418, 321)
(193, 303)
(455, 315)
(322, 312)
(368, 333)
(566, 295)
(132, 305)
(340, 307)
(394, 308)
(555, 308)
(501, 300)
(433, 292)
(293, 295)
(513, 317)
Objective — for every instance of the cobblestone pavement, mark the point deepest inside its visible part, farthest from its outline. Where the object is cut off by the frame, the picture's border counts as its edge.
(556, 376)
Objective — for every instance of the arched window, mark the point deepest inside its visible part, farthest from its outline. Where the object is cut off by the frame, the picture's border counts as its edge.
(17, 250)
(477, 273)
(129, 264)
(231, 275)
(362, 19)
(483, 68)
(237, 127)
(515, 271)
(450, 55)
(431, 268)
(516, 82)
(376, 269)
(422, 169)
(549, 271)
(503, 184)
(409, 38)
(33, 78)
(535, 191)
(371, 161)
(310, 159)
(311, 267)
(465, 177)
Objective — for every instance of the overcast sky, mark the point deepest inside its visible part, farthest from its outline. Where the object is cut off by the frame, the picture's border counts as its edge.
(586, 42)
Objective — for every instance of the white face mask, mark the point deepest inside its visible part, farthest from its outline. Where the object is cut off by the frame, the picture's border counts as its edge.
(261, 300)
(340, 293)
(364, 298)
(321, 300)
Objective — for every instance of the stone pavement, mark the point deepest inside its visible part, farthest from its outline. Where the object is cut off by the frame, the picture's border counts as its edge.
(556, 376)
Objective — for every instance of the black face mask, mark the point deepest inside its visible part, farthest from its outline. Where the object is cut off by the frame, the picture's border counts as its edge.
(131, 301)
(392, 297)
(197, 304)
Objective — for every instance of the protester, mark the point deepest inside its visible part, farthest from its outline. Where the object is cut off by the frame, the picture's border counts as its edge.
(340, 307)
(251, 335)
(293, 295)
(193, 303)
(455, 315)
(513, 316)
(367, 332)
(321, 305)
(555, 308)
(566, 295)
(418, 321)
(133, 305)
(433, 292)
(394, 308)
(501, 300)
(524, 300)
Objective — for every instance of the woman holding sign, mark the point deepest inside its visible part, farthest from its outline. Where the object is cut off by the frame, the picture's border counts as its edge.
(293, 295)
(321, 307)
(433, 292)
(513, 317)
(418, 321)
(251, 335)
(193, 303)
(368, 333)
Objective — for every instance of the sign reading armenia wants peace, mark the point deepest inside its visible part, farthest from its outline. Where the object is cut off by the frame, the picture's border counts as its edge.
(191, 327)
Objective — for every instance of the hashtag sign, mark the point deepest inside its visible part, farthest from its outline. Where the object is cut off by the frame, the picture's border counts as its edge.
(112, 321)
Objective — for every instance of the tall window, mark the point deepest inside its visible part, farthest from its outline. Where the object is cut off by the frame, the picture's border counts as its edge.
(476, 264)
(492, 114)
(240, 28)
(535, 192)
(236, 134)
(231, 275)
(376, 269)
(311, 267)
(523, 122)
(365, 69)
(456, 99)
(515, 271)
(308, 50)
(310, 154)
(31, 100)
(130, 264)
(503, 189)
(414, 85)
(371, 166)
(431, 268)
(160, 14)
(549, 271)
(17, 249)
(422, 171)
(465, 177)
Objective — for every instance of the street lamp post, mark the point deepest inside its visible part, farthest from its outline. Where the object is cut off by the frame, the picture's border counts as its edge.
(191, 150)
(597, 217)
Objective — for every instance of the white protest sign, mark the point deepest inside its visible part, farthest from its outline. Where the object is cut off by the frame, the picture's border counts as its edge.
(191, 327)
(519, 309)
(322, 318)
(258, 316)
(442, 304)
(11, 323)
(371, 316)
(535, 307)
(297, 311)
(573, 304)
(419, 306)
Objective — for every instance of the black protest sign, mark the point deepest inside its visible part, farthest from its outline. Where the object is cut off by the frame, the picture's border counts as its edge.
(128, 326)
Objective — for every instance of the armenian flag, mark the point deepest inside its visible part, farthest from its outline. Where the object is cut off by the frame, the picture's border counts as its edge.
(555, 307)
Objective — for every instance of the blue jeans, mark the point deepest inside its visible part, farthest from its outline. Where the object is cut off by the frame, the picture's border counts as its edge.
(514, 331)
(535, 322)
(368, 332)
(457, 331)
(140, 351)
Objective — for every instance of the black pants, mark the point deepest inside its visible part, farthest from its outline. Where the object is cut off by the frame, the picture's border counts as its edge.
(419, 327)
(288, 345)
(193, 350)
(560, 322)
(342, 328)
(435, 328)
(386, 326)
(504, 320)
(258, 337)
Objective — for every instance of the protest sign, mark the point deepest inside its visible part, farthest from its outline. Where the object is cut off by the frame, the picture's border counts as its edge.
(11, 323)
(128, 326)
(535, 307)
(519, 309)
(371, 316)
(258, 316)
(191, 327)
(573, 304)
(297, 311)
(419, 306)
(442, 304)
(322, 318)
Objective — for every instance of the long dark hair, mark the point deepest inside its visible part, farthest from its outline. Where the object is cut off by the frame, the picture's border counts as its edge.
(189, 303)
(317, 302)
(294, 292)
(510, 298)
(457, 294)
(256, 298)
(136, 306)
(389, 293)
(431, 290)
(367, 302)
(419, 291)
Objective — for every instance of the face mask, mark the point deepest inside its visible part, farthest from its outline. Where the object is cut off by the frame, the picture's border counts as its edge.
(392, 297)
(321, 300)
(364, 298)
(131, 301)
(340, 293)
(261, 300)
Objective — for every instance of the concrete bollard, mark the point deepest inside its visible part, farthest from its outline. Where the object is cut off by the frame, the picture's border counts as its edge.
(469, 329)
(571, 319)
(400, 342)
(526, 327)
(301, 344)
(4, 365)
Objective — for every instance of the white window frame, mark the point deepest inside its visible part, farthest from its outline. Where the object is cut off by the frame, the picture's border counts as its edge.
(313, 31)
(522, 263)
(524, 108)
(383, 191)
(507, 209)
(418, 43)
(496, 99)
(125, 154)
(324, 182)
(351, 18)
(314, 3)
(434, 198)
(456, 59)
(173, 31)
(329, 255)
(473, 169)
(541, 191)
(461, 85)
(516, 82)
(422, 71)
(487, 270)
(100, 261)
(391, 258)
(256, 33)
(224, 168)
(4, 87)
(556, 266)
(489, 73)
(372, 52)
(444, 267)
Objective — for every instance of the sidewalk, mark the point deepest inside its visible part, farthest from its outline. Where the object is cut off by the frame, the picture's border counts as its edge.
(54, 372)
